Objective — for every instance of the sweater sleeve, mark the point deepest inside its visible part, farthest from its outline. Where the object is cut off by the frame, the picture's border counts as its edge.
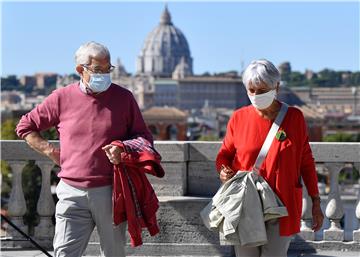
(137, 126)
(42, 117)
(307, 168)
(227, 151)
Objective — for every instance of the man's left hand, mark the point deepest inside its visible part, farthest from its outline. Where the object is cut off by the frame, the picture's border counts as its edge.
(113, 153)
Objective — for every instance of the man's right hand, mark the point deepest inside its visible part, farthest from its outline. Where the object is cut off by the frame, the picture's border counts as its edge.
(39, 144)
(54, 155)
(226, 173)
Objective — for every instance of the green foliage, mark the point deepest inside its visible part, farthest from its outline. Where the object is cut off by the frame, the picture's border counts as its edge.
(74, 76)
(10, 83)
(329, 78)
(355, 78)
(323, 78)
(50, 134)
(349, 177)
(357, 138)
(356, 174)
(31, 180)
(296, 79)
(6, 179)
(8, 129)
(342, 137)
(206, 74)
(208, 138)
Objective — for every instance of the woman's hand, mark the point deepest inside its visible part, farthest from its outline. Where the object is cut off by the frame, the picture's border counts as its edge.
(113, 153)
(317, 214)
(226, 173)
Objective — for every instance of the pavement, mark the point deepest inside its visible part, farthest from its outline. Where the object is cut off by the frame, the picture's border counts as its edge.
(35, 253)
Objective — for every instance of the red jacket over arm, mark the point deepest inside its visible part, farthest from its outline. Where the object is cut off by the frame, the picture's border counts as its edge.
(134, 198)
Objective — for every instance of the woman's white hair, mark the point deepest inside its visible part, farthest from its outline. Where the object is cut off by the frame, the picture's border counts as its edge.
(90, 50)
(261, 71)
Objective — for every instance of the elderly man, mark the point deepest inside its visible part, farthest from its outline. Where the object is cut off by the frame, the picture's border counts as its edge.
(88, 115)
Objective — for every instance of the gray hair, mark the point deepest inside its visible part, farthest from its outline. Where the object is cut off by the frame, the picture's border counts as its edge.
(261, 71)
(90, 50)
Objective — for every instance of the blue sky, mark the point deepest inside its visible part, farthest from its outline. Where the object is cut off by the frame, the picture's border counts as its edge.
(43, 36)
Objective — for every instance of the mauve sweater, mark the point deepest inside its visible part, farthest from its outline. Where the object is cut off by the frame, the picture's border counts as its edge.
(85, 123)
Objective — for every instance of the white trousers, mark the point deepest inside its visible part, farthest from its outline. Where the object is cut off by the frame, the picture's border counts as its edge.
(277, 246)
(78, 211)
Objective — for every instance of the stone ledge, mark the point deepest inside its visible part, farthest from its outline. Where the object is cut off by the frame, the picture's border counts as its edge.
(310, 246)
(177, 151)
(174, 183)
(183, 199)
(170, 249)
(203, 151)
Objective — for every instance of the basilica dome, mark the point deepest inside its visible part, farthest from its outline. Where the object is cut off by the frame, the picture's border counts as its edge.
(164, 48)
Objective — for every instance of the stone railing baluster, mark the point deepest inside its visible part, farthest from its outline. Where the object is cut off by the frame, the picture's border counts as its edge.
(17, 204)
(334, 209)
(356, 233)
(45, 206)
(306, 218)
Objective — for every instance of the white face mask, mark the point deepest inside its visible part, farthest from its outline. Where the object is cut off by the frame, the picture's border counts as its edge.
(262, 101)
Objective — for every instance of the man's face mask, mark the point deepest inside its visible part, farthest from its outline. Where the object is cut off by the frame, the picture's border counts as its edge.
(99, 82)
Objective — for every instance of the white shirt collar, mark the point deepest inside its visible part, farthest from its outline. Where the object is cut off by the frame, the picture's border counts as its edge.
(82, 87)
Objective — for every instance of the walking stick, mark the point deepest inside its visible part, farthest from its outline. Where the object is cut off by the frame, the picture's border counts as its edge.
(25, 235)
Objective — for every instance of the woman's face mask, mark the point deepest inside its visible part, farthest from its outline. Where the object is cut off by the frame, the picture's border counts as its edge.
(262, 101)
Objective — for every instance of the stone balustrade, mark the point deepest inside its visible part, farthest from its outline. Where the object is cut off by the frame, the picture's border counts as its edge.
(189, 183)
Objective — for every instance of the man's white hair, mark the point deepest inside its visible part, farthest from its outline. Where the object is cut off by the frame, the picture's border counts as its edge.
(261, 71)
(90, 50)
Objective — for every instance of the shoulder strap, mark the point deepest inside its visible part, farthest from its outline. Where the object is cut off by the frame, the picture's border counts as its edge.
(270, 137)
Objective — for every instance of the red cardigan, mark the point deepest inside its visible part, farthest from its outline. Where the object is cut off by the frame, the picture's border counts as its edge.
(134, 198)
(286, 163)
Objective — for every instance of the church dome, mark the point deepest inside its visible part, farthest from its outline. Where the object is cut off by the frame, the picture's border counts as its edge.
(163, 49)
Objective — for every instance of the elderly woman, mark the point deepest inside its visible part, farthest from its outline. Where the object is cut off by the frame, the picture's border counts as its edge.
(288, 160)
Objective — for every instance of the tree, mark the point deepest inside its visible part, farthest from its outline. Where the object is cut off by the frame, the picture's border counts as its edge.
(296, 79)
(6, 179)
(329, 78)
(10, 83)
(341, 137)
(7, 133)
(208, 138)
(50, 134)
(31, 183)
(355, 78)
(8, 130)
